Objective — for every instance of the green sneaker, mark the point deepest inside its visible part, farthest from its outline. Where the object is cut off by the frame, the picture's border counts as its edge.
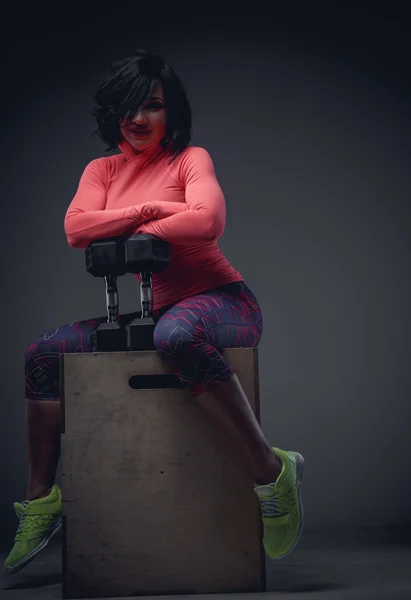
(39, 520)
(281, 507)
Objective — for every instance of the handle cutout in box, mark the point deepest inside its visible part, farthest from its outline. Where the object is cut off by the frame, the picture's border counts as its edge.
(167, 381)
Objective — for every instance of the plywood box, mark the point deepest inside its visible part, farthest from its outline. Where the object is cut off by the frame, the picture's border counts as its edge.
(155, 500)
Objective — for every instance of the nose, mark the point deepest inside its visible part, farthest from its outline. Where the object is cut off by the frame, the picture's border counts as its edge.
(139, 117)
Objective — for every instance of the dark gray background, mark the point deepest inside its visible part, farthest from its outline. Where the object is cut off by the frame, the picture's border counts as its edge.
(306, 116)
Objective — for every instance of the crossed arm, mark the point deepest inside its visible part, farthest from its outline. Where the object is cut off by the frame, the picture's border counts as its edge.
(200, 220)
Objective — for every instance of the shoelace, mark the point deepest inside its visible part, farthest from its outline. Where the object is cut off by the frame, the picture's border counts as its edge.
(35, 521)
(270, 506)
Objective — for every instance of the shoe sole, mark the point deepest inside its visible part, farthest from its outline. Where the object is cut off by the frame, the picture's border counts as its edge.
(11, 570)
(300, 465)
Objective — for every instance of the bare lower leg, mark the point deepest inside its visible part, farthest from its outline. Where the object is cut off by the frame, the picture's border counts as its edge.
(43, 421)
(228, 405)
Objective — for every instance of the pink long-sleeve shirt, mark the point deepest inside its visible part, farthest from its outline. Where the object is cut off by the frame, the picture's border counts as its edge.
(181, 203)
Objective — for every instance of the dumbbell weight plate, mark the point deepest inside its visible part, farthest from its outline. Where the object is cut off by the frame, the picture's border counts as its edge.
(140, 334)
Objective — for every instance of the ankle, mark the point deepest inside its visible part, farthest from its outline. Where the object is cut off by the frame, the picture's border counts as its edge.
(270, 471)
(36, 494)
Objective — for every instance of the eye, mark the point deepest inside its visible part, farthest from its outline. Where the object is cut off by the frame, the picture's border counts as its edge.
(155, 106)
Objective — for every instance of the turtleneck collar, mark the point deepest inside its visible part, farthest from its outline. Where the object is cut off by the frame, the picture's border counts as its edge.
(143, 158)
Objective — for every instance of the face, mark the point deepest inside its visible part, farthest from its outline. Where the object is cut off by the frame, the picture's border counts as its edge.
(146, 127)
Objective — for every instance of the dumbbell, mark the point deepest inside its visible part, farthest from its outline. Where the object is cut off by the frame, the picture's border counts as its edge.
(105, 258)
(144, 254)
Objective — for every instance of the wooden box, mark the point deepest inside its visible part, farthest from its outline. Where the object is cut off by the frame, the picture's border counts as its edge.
(155, 500)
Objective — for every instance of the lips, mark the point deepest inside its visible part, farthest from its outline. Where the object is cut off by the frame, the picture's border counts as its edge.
(139, 133)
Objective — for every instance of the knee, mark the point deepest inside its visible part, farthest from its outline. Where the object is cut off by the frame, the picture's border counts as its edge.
(31, 352)
(171, 338)
(46, 344)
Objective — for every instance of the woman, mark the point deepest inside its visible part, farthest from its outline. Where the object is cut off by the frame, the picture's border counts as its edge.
(158, 184)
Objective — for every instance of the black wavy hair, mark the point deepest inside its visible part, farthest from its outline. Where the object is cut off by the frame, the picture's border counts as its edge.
(132, 80)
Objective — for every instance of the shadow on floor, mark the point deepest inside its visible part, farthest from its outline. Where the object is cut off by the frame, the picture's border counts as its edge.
(34, 581)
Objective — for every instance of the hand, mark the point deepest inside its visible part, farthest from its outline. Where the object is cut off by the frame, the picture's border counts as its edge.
(141, 228)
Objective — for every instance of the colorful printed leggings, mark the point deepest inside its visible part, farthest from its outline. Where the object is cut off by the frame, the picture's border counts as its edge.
(188, 335)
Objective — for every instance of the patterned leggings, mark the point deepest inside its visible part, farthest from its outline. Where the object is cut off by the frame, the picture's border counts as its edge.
(188, 335)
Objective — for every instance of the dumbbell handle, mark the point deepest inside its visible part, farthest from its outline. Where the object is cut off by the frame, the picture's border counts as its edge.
(146, 295)
(112, 298)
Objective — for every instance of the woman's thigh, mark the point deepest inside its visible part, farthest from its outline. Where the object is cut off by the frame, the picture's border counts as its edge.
(191, 334)
(42, 381)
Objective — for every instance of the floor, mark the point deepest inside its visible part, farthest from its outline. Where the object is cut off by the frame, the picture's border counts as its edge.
(357, 565)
